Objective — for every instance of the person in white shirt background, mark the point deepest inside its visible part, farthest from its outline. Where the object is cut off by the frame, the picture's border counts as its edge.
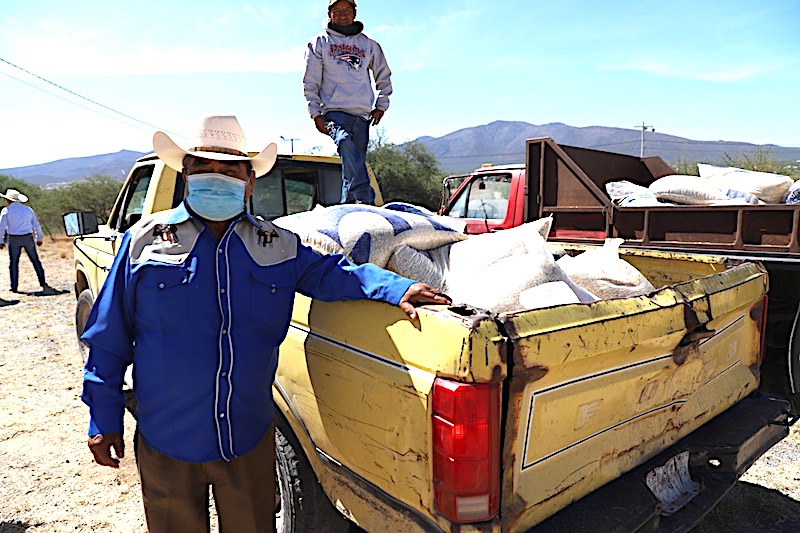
(20, 230)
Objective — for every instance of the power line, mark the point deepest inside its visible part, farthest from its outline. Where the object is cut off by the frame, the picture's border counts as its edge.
(99, 112)
(76, 94)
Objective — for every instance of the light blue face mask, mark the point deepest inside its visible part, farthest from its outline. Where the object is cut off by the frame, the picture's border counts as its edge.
(214, 196)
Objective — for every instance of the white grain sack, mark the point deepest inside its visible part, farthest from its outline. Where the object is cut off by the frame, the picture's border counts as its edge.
(427, 266)
(548, 294)
(480, 251)
(766, 186)
(604, 274)
(686, 190)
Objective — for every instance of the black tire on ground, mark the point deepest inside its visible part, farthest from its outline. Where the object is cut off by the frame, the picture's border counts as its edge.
(82, 308)
(303, 504)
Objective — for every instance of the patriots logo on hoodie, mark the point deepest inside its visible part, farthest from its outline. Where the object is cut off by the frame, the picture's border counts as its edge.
(348, 53)
(352, 60)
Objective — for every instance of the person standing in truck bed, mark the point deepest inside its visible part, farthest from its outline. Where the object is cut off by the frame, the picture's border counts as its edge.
(199, 298)
(338, 89)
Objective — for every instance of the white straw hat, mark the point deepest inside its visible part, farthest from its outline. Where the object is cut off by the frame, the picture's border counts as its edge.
(218, 137)
(15, 196)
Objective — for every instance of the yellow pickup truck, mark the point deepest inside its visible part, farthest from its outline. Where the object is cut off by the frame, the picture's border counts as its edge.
(619, 415)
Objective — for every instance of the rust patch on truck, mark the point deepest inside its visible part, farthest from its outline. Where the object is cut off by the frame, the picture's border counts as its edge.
(681, 353)
(470, 315)
(695, 332)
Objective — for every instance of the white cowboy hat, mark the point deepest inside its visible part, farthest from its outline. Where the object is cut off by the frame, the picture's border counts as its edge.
(218, 137)
(15, 196)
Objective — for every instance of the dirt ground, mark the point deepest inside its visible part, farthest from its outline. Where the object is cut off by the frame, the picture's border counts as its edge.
(49, 483)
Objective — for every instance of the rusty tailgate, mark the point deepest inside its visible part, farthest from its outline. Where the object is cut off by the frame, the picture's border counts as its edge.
(598, 389)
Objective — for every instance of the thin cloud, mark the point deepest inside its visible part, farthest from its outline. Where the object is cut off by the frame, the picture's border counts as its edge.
(701, 72)
(52, 49)
(147, 60)
(425, 43)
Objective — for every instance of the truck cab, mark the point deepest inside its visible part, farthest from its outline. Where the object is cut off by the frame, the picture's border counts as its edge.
(491, 198)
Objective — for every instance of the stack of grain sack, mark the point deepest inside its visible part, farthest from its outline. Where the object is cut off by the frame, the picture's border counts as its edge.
(506, 271)
(714, 186)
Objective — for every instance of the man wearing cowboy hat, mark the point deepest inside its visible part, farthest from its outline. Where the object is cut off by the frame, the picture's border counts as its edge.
(338, 89)
(20, 227)
(199, 298)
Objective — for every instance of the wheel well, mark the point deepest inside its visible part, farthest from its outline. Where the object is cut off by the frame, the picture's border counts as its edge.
(81, 282)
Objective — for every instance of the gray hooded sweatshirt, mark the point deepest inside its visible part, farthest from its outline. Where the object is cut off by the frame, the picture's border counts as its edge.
(337, 74)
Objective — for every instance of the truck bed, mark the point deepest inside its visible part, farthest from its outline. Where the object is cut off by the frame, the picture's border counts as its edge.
(590, 391)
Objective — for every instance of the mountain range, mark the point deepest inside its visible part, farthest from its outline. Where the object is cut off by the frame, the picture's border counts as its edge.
(503, 142)
(62, 171)
(499, 142)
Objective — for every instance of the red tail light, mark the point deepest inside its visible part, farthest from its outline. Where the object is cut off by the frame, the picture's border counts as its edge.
(466, 450)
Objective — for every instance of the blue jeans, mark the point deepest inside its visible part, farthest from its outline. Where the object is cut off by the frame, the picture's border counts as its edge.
(351, 135)
(17, 243)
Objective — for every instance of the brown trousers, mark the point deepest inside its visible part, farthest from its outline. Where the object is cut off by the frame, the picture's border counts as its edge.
(175, 493)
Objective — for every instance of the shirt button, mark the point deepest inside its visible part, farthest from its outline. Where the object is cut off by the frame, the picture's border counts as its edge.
(274, 289)
(222, 415)
(219, 251)
(224, 331)
(160, 285)
(224, 374)
(222, 291)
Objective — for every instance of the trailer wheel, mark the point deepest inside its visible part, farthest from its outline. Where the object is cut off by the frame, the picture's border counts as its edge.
(303, 504)
(82, 308)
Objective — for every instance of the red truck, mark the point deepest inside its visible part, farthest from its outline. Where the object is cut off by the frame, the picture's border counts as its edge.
(568, 183)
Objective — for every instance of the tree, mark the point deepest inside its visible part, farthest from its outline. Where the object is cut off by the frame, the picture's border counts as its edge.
(97, 194)
(10, 182)
(762, 160)
(36, 197)
(685, 166)
(407, 173)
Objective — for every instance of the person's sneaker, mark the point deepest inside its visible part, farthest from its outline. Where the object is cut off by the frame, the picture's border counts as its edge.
(47, 290)
(4, 303)
(14, 289)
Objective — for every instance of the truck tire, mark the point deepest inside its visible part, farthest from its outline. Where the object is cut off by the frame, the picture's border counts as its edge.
(303, 504)
(82, 308)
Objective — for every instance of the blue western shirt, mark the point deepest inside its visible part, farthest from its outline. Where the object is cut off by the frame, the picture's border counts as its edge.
(201, 321)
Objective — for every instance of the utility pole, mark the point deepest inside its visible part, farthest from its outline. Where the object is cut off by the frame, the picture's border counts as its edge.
(644, 129)
(291, 141)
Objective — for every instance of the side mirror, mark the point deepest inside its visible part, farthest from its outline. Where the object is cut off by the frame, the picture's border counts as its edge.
(80, 223)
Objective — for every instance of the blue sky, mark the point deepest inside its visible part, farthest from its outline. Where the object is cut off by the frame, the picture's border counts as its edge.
(701, 69)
